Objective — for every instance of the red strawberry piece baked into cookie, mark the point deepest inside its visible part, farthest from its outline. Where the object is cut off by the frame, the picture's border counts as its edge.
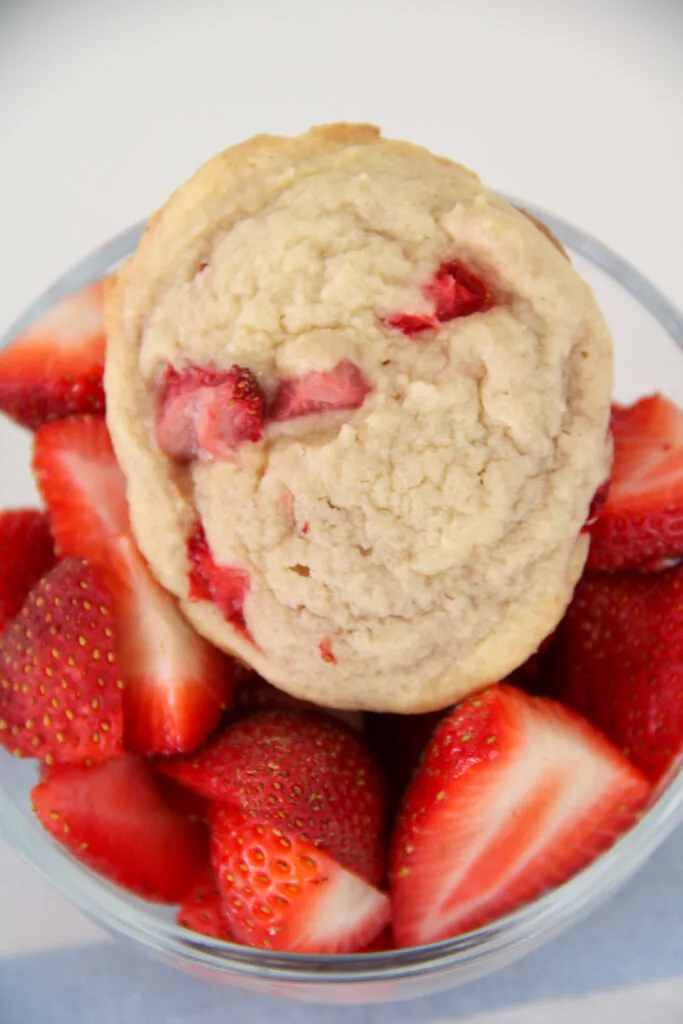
(361, 405)
(54, 368)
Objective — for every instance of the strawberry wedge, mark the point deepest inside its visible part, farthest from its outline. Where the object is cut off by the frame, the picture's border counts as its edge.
(83, 488)
(54, 368)
(114, 819)
(282, 893)
(177, 684)
(514, 795)
(641, 522)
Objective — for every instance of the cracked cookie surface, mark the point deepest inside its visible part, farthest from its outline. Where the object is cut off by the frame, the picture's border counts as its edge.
(398, 508)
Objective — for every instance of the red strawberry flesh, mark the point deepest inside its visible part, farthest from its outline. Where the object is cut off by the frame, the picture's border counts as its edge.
(207, 413)
(514, 795)
(26, 554)
(177, 684)
(114, 819)
(619, 661)
(60, 687)
(54, 368)
(280, 892)
(305, 772)
(457, 291)
(641, 523)
(84, 489)
(225, 586)
(341, 389)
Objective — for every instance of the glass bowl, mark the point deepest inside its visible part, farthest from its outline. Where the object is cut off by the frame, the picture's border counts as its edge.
(648, 334)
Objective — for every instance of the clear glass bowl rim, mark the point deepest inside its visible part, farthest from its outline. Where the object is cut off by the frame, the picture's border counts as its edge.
(524, 928)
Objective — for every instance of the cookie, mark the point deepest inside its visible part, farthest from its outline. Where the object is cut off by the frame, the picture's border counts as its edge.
(361, 403)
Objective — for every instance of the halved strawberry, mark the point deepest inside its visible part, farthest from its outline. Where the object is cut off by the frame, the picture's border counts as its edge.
(641, 522)
(177, 684)
(303, 771)
(342, 388)
(202, 910)
(26, 554)
(113, 818)
(60, 687)
(514, 795)
(619, 661)
(207, 413)
(54, 368)
(84, 489)
(280, 892)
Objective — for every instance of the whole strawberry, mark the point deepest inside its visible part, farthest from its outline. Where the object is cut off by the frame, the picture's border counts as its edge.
(26, 554)
(60, 691)
(305, 772)
(618, 660)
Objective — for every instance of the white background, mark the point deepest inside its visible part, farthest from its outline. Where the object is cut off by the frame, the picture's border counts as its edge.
(106, 106)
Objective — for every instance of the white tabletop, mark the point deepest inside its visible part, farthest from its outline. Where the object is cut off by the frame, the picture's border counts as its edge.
(105, 106)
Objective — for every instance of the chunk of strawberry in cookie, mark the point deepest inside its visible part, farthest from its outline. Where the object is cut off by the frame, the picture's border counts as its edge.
(340, 389)
(455, 290)
(224, 585)
(207, 413)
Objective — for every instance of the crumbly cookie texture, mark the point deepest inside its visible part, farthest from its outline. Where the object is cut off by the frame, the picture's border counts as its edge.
(396, 551)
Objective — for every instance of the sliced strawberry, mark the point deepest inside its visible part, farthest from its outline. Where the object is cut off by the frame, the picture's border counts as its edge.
(202, 910)
(224, 585)
(54, 368)
(207, 413)
(177, 684)
(641, 522)
(306, 772)
(340, 389)
(84, 489)
(457, 291)
(514, 795)
(26, 554)
(113, 818)
(280, 892)
(619, 661)
(60, 692)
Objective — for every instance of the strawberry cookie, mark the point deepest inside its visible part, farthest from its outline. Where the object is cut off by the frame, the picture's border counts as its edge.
(361, 404)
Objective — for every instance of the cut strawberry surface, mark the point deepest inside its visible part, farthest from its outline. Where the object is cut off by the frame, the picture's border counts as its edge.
(457, 291)
(84, 489)
(305, 772)
(60, 687)
(619, 661)
(202, 910)
(54, 368)
(282, 893)
(26, 554)
(177, 684)
(224, 585)
(113, 818)
(641, 522)
(514, 795)
(341, 389)
(410, 323)
(207, 413)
